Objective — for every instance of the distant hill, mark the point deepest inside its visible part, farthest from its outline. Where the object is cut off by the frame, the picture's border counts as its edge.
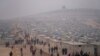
(62, 22)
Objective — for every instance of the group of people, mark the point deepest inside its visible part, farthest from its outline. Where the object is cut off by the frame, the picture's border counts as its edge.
(64, 51)
(52, 50)
(81, 53)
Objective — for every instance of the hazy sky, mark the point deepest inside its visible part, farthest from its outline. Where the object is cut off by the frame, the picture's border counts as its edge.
(18, 8)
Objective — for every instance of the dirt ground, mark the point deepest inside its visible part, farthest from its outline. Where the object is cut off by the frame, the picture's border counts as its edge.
(16, 51)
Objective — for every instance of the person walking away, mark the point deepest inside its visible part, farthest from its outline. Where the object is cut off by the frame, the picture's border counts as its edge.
(21, 51)
(33, 52)
(81, 53)
(41, 52)
(11, 54)
(31, 48)
(57, 54)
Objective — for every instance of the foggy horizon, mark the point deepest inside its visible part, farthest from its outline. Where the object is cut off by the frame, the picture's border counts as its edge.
(15, 9)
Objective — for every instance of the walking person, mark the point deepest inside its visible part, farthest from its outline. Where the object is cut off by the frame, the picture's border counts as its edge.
(21, 51)
(57, 54)
(33, 52)
(41, 52)
(81, 53)
(31, 48)
(11, 54)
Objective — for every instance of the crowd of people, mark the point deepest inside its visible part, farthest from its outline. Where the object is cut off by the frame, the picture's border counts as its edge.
(52, 50)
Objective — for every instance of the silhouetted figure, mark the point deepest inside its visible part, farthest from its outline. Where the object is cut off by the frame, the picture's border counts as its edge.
(64, 51)
(21, 50)
(51, 50)
(41, 52)
(48, 45)
(57, 54)
(11, 54)
(7, 44)
(56, 48)
(31, 48)
(33, 52)
(81, 52)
